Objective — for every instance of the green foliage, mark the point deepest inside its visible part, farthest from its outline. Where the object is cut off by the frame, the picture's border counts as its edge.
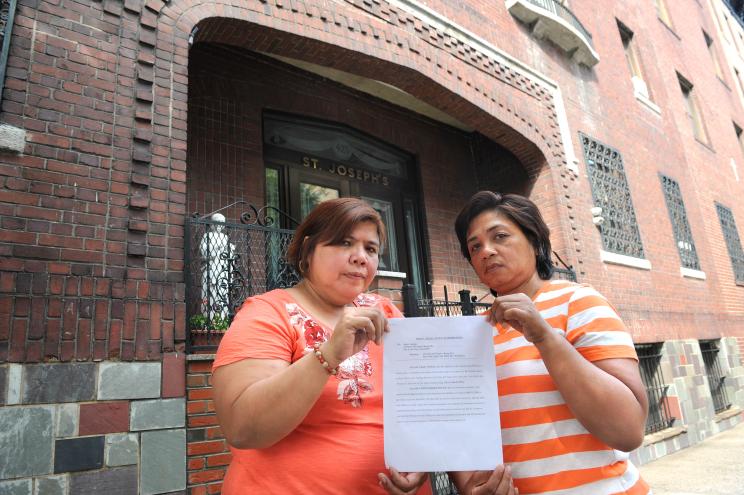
(198, 322)
(219, 323)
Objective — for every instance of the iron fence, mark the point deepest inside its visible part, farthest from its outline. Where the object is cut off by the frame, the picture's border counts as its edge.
(227, 263)
(649, 358)
(716, 377)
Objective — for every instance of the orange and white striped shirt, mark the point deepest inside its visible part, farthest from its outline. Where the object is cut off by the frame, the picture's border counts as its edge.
(548, 450)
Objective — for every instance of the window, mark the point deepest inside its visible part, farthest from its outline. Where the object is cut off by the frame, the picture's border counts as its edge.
(739, 136)
(738, 83)
(663, 12)
(633, 60)
(713, 56)
(680, 225)
(716, 378)
(733, 243)
(649, 359)
(693, 112)
(610, 191)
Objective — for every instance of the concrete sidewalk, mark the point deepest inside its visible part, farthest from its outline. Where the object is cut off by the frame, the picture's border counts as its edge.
(713, 467)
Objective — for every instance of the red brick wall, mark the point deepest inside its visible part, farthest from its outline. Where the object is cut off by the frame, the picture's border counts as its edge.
(93, 211)
(91, 252)
(207, 452)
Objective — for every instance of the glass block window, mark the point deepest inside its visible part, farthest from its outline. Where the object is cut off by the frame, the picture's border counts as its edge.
(680, 225)
(733, 243)
(610, 191)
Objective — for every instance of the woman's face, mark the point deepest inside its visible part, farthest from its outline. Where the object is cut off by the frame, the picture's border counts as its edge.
(342, 272)
(500, 253)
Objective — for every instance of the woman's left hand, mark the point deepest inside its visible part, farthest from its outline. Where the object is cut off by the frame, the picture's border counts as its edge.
(402, 483)
(518, 311)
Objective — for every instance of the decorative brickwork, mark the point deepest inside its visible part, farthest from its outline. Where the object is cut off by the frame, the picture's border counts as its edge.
(92, 263)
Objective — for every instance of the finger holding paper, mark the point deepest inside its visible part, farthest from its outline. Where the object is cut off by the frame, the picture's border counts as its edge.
(402, 483)
(496, 482)
(354, 330)
(519, 312)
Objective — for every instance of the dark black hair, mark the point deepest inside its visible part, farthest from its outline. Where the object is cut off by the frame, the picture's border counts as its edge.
(520, 210)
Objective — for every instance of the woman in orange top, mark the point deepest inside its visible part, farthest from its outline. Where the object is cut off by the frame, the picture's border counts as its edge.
(297, 377)
(570, 394)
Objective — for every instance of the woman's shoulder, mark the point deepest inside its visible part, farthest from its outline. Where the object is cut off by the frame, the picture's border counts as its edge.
(272, 302)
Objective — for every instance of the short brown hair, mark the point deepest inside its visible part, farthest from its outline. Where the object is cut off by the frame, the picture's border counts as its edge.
(520, 210)
(330, 223)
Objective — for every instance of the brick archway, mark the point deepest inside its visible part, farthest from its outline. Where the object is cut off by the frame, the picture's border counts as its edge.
(378, 41)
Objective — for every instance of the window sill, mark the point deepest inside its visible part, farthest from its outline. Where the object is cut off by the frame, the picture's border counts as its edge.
(384, 274)
(692, 273)
(662, 435)
(705, 145)
(200, 357)
(647, 103)
(728, 413)
(621, 259)
(669, 28)
(723, 82)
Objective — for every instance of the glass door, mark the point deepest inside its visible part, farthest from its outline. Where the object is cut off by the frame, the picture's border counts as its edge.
(307, 190)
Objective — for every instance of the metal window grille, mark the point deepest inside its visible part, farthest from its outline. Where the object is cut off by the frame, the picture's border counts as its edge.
(716, 378)
(610, 191)
(733, 243)
(680, 225)
(649, 358)
(7, 14)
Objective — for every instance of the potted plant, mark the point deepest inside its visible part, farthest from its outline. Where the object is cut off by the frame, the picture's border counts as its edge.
(219, 324)
(198, 324)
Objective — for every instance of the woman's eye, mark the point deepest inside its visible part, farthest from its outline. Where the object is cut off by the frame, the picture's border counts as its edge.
(346, 243)
(372, 250)
(474, 248)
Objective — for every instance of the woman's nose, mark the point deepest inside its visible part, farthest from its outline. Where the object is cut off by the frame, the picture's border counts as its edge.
(358, 255)
(488, 250)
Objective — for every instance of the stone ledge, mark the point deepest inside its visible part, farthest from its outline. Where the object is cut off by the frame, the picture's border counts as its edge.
(200, 357)
(662, 435)
(728, 413)
(12, 138)
(621, 259)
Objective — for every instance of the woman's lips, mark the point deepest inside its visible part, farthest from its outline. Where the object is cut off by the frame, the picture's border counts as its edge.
(492, 267)
(356, 275)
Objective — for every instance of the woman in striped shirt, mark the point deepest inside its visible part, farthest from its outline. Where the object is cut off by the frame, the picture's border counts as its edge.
(571, 396)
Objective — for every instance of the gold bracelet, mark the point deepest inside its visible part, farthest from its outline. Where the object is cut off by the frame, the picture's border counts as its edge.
(322, 360)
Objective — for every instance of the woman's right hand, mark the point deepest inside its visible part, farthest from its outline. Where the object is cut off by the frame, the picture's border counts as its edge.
(354, 330)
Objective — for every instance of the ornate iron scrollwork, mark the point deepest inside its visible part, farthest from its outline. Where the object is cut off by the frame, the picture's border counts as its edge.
(228, 262)
(733, 243)
(610, 191)
(680, 225)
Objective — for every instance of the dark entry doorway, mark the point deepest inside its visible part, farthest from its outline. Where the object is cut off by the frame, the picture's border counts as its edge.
(308, 161)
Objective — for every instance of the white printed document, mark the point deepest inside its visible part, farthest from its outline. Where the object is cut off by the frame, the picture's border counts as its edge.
(441, 407)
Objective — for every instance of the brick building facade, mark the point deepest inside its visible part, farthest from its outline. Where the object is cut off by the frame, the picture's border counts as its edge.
(127, 123)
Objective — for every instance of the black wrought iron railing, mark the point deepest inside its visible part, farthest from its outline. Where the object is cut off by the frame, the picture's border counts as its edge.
(465, 304)
(226, 263)
(716, 377)
(559, 10)
(649, 360)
